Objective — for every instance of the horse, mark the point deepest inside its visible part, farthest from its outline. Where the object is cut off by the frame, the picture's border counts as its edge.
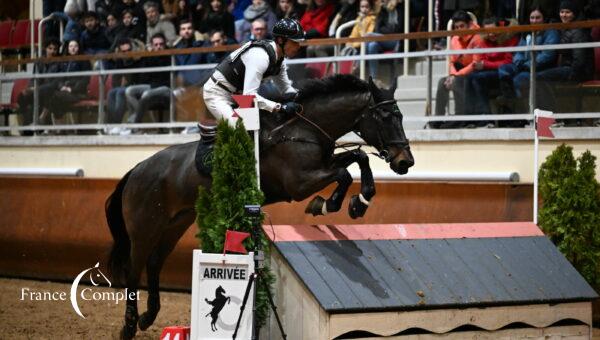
(153, 204)
(218, 303)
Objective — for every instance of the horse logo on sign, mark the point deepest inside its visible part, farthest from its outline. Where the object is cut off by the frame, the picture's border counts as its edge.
(218, 303)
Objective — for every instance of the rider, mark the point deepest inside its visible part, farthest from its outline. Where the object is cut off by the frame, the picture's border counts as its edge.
(245, 68)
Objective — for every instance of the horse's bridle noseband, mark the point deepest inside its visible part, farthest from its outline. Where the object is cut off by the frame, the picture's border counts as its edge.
(384, 153)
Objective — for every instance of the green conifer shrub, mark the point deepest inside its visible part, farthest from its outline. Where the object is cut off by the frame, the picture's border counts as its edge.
(570, 213)
(234, 184)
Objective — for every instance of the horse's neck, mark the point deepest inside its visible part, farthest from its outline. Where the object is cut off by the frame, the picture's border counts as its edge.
(337, 116)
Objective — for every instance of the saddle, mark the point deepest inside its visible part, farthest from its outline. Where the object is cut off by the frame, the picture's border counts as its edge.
(270, 135)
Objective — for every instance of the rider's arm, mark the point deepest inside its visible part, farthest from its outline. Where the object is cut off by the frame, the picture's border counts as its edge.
(256, 61)
(283, 82)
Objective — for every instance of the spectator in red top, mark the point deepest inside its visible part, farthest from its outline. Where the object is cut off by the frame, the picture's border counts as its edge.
(317, 18)
(485, 68)
(315, 22)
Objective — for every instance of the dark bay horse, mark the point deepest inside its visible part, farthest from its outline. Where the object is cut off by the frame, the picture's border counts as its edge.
(153, 204)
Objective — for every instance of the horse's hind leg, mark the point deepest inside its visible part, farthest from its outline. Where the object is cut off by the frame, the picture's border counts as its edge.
(155, 264)
(133, 278)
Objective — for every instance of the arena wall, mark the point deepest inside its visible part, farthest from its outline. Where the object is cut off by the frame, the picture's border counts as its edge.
(52, 228)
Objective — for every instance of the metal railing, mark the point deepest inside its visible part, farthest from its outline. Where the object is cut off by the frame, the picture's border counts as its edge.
(428, 54)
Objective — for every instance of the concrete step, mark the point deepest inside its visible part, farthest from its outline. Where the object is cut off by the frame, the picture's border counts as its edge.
(407, 94)
(416, 82)
(439, 67)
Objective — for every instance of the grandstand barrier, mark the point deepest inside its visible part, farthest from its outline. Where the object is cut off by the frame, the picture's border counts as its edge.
(426, 281)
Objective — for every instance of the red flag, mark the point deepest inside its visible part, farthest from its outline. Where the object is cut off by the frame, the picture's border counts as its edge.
(244, 101)
(233, 242)
(543, 126)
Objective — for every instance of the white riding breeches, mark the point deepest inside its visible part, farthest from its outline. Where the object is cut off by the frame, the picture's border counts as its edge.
(218, 101)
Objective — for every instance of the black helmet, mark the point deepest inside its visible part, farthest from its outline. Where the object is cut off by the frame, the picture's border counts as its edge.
(288, 28)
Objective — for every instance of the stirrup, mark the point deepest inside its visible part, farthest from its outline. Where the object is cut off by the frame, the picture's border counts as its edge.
(208, 133)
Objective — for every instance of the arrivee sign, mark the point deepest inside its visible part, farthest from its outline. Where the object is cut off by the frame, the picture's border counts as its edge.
(218, 286)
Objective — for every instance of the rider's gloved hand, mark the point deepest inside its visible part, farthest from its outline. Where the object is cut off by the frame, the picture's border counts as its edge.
(291, 108)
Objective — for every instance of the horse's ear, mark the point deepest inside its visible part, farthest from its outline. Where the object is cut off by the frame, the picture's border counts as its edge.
(374, 89)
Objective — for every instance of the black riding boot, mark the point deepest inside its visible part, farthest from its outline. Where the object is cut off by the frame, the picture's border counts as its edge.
(204, 152)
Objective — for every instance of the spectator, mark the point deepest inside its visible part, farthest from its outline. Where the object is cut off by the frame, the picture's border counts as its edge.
(46, 86)
(113, 26)
(70, 89)
(128, 29)
(173, 11)
(317, 18)
(345, 11)
(71, 16)
(137, 12)
(258, 31)
(460, 66)
(106, 7)
(154, 25)
(390, 20)
(116, 102)
(515, 76)
(575, 65)
(365, 22)
(289, 9)
(93, 38)
(315, 23)
(259, 9)
(155, 89)
(187, 39)
(49, 7)
(485, 74)
(217, 18)
(218, 38)
(239, 6)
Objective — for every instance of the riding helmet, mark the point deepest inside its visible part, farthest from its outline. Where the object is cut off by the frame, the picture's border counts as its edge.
(288, 28)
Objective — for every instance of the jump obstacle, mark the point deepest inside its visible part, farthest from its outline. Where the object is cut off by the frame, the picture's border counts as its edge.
(426, 281)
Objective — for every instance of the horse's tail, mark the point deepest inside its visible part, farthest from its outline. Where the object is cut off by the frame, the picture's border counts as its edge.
(118, 262)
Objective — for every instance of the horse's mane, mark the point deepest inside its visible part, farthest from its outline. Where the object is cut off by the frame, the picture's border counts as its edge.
(330, 85)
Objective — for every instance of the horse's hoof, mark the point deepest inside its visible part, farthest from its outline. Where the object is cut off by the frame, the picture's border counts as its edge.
(356, 208)
(128, 332)
(315, 207)
(146, 320)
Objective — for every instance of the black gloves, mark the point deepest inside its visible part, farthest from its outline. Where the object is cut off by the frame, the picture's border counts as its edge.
(291, 108)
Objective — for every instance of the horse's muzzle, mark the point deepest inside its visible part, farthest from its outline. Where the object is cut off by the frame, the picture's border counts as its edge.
(401, 162)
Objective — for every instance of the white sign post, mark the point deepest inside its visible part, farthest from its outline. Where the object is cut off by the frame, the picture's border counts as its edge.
(218, 285)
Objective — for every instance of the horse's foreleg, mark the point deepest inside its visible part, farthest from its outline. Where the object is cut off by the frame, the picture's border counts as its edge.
(359, 203)
(339, 162)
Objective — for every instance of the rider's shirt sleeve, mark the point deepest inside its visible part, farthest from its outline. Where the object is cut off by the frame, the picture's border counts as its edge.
(282, 80)
(256, 61)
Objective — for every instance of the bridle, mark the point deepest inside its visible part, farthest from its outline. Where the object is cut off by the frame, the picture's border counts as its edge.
(375, 112)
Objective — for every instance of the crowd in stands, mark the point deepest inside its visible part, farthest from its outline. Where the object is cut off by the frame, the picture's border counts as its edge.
(476, 79)
(99, 26)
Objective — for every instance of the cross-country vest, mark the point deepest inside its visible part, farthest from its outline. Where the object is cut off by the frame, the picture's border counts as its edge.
(234, 70)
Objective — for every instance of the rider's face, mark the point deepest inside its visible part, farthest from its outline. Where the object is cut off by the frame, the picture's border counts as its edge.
(291, 48)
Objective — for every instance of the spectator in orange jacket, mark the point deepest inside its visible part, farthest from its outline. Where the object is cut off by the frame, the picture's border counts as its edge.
(485, 68)
(460, 66)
